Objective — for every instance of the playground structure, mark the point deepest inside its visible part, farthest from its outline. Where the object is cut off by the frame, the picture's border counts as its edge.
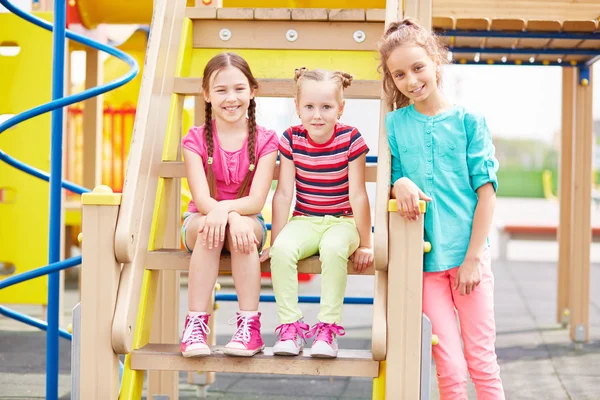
(144, 239)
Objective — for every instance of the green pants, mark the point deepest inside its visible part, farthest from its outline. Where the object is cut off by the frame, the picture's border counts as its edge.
(335, 239)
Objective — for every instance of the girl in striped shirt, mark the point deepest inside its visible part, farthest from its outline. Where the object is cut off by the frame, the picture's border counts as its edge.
(326, 161)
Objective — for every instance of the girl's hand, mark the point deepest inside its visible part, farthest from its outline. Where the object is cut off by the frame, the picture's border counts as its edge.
(265, 255)
(468, 276)
(407, 196)
(362, 259)
(213, 231)
(242, 234)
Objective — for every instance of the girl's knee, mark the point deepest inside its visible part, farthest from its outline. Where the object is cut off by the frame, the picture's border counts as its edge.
(451, 372)
(282, 252)
(450, 365)
(335, 249)
(199, 245)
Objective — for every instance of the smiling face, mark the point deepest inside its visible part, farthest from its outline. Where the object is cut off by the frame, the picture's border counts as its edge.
(229, 94)
(413, 72)
(319, 106)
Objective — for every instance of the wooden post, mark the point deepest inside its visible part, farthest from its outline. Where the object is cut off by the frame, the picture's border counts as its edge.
(92, 121)
(405, 276)
(405, 270)
(421, 10)
(99, 364)
(579, 280)
(569, 84)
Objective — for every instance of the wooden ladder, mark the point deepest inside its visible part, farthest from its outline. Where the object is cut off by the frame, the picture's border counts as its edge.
(131, 245)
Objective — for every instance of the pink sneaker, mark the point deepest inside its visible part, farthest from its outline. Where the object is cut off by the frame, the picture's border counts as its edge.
(291, 338)
(246, 341)
(193, 340)
(325, 344)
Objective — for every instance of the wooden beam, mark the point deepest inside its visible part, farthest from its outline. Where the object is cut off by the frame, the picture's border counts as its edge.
(179, 260)
(420, 10)
(201, 12)
(99, 364)
(405, 283)
(569, 84)
(273, 14)
(92, 121)
(353, 363)
(309, 35)
(375, 15)
(343, 14)
(360, 89)
(310, 14)
(141, 182)
(579, 280)
(527, 9)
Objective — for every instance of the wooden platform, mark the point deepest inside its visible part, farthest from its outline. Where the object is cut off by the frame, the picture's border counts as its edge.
(506, 233)
(167, 357)
(545, 231)
(170, 259)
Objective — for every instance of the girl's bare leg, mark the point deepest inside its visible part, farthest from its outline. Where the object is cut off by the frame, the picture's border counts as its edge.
(245, 269)
(204, 267)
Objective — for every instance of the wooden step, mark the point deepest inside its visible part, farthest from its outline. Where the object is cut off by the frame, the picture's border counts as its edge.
(176, 169)
(286, 14)
(167, 357)
(174, 259)
(360, 89)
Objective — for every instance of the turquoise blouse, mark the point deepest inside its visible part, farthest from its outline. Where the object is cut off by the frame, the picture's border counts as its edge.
(448, 156)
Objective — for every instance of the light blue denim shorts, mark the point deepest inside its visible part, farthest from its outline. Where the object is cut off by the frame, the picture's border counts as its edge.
(188, 214)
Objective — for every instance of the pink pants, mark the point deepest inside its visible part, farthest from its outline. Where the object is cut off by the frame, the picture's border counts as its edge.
(477, 330)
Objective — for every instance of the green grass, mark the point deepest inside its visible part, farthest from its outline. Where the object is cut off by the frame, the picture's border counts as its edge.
(514, 182)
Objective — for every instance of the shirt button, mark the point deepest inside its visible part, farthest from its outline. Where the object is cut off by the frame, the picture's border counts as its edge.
(404, 149)
(428, 144)
(428, 172)
(490, 163)
(452, 146)
(428, 159)
(428, 131)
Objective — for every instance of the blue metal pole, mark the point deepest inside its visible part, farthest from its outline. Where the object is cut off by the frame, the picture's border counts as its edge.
(36, 273)
(36, 323)
(269, 298)
(56, 154)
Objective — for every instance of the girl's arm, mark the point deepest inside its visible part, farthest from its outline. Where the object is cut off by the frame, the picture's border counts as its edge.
(197, 182)
(261, 183)
(359, 201)
(468, 276)
(282, 200)
(482, 220)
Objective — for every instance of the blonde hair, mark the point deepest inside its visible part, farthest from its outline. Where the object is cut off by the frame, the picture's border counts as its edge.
(401, 33)
(341, 79)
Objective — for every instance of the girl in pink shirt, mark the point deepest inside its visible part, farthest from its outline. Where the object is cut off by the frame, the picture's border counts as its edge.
(229, 163)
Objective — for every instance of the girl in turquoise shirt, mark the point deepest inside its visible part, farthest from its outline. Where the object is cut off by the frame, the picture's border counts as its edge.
(443, 154)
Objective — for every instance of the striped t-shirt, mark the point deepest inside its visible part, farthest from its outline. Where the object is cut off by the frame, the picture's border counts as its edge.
(322, 169)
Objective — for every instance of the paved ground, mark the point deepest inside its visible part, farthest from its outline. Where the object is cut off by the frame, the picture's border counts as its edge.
(535, 354)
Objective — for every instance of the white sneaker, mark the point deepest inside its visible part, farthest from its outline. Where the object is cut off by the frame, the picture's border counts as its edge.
(291, 339)
(325, 344)
(322, 349)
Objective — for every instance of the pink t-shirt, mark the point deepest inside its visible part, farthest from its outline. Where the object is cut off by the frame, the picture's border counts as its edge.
(230, 167)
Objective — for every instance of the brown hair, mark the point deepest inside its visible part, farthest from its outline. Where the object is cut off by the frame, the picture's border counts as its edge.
(216, 64)
(341, 79)
(398, 34)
